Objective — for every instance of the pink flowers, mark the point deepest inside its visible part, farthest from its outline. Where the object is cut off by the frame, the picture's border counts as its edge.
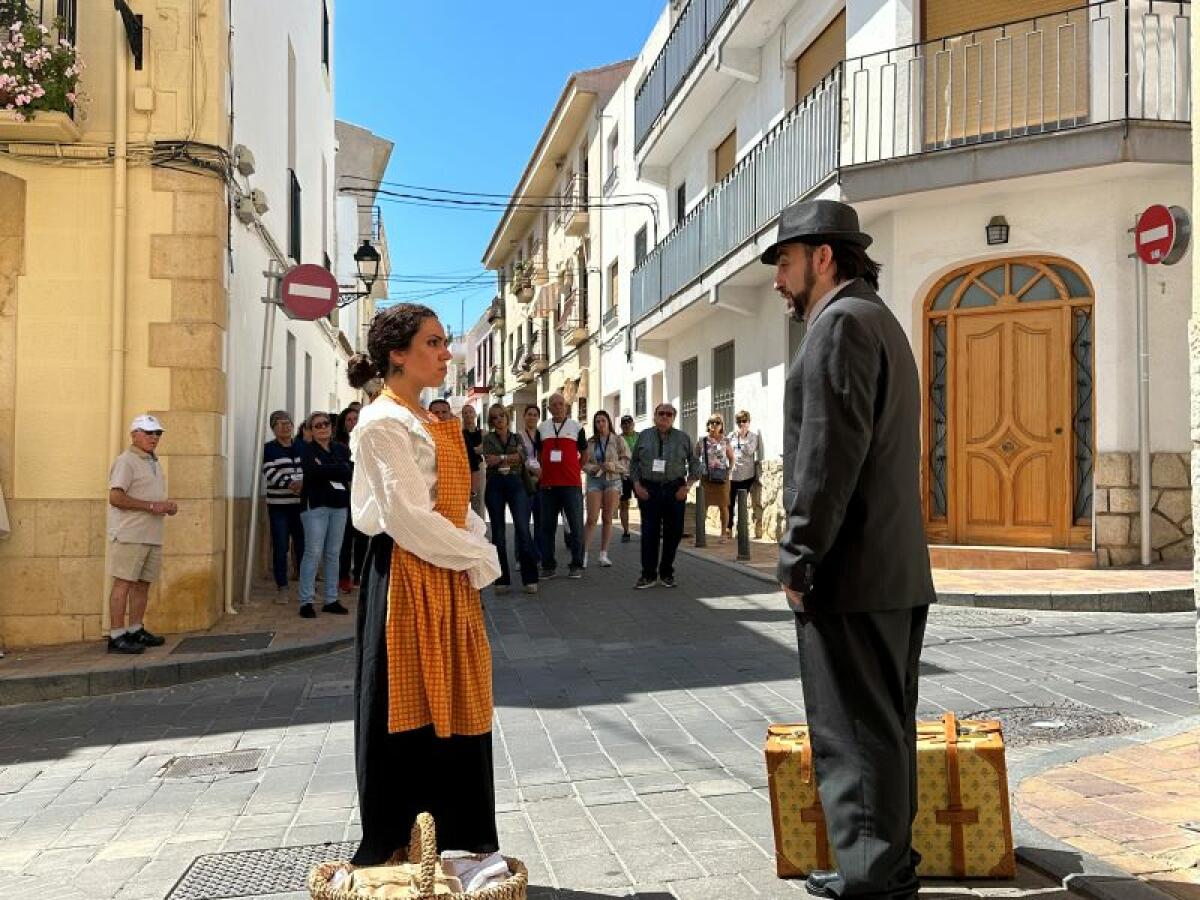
(39, 69)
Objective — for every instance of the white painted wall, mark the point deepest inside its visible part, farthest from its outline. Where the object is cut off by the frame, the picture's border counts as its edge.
(261, 34)
(1083, 216)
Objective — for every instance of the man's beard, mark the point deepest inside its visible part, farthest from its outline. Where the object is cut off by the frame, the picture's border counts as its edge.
(798, 303)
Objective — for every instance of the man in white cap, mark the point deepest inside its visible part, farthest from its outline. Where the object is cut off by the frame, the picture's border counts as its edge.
(137, 502)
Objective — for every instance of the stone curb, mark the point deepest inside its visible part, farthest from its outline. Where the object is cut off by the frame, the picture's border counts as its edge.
(167, 673)
(1164, 600)
(1079, 872)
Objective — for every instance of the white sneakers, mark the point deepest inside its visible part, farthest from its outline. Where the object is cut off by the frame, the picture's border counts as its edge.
(531, 588)
(605, 562)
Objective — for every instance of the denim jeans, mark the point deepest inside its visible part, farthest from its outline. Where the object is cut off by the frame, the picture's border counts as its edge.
(286, 528)
(568, 500)
(323, 528)
(508, 492)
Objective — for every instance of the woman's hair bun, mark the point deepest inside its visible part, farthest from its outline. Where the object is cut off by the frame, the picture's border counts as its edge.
(360, 369)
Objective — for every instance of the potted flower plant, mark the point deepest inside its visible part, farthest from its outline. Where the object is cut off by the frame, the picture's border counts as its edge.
(522, 279)
(39, 71)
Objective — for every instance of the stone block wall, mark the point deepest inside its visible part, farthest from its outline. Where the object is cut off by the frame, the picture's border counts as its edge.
(1117, 508)
(765, 505)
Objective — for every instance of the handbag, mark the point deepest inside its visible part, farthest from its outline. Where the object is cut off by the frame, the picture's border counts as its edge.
(716, 476)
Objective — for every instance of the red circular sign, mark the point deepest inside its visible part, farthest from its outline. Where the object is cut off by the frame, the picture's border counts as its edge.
(308, 292)
(1154, 235)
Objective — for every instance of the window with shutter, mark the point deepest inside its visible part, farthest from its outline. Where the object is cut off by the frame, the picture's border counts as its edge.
(726, 156)
(819, 58)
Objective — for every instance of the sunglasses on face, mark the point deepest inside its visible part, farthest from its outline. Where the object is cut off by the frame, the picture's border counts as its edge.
(670, 414)
(153, 433)
(714, 424)
(320, 424)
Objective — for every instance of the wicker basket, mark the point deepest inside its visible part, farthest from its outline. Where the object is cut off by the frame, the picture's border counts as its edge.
(423, 850)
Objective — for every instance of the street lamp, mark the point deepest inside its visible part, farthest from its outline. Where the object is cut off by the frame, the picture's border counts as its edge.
(366, 258)
(997, 231)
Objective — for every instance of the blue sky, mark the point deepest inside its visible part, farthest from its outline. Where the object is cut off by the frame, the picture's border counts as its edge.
(463, 88)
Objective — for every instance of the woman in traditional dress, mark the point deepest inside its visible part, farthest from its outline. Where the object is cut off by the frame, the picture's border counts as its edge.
(423, 685)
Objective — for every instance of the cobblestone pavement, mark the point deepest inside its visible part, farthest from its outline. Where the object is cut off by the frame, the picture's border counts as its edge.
(628, 740)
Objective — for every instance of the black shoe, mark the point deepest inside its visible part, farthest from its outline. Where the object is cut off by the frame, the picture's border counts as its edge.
(625, 538)
(575, 572)
(667, 580)
(818, 881)
(547, 573)
(146, 639)
(644, 582)
(307, 611)
(124, 644)
(336, 608)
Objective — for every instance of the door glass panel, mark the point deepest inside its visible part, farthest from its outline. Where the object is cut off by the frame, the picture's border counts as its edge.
(1021, 276)
(994, 278)
(1081, 420)
(1075, 284)
(939, 420)
(975, 297)
(1043, 289)
(942, 300)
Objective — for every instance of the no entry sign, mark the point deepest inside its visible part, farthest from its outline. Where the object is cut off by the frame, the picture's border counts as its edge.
(308, 292)
(1162, 234)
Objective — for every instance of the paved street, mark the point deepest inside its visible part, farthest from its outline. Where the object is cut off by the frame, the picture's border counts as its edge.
(628, 743)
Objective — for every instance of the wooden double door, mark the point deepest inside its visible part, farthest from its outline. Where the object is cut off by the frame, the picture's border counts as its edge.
(1010, 405)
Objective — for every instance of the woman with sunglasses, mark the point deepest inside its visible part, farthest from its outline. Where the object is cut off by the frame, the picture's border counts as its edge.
(324, 501)
(507, 488)
(716, 459)
(605, 461)
(423, 672)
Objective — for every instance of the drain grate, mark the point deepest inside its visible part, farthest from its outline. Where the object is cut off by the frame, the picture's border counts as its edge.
(225, 643)
(1058, 723)
(212, 764)
(965, 617)
(251, 873)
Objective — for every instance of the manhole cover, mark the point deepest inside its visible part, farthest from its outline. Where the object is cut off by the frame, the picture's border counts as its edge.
(250, 873)
(225, 643)
(323, 689)
(1024, 725)
(213, 764)
(965, 617)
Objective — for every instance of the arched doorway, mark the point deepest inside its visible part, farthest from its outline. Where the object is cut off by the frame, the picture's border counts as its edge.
(1009, 434)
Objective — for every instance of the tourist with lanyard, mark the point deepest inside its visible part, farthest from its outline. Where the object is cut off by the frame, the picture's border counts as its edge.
(630, 436)
(606, 461)
(532, 442)
(716, 459)
(504, 456)
(561, 492)
(663, 469)
(747, 468)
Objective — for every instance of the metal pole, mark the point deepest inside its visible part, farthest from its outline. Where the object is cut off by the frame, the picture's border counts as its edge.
(743, 526)
(264, 383)
(701, 538)
(1143, 408)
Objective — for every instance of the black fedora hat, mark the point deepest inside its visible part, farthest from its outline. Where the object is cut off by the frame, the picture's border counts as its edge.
(817, 222)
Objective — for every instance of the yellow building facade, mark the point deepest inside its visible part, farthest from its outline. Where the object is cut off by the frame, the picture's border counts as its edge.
(113, 301)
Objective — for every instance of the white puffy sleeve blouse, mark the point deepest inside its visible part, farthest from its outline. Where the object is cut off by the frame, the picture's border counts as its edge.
(394, 490)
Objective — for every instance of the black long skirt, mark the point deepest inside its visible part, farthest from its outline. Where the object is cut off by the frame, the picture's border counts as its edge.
(403, 774)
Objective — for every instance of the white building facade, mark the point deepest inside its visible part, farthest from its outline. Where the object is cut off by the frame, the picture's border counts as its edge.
(1059, 123)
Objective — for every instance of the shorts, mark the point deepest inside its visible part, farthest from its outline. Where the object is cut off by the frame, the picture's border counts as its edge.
(626, 490)
(598, 484)
(135, 562)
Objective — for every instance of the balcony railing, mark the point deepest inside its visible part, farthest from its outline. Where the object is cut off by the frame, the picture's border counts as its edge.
(1118, 60)
(573, 205)
(495, 310)
(1104, 62)
(520, 362)
(685, 44)
(796, 156)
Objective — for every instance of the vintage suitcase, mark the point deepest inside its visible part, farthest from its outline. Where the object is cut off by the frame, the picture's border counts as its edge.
(963, 827)
(801, 844)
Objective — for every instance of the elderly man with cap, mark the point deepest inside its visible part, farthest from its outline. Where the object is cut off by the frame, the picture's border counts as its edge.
(853, 560)
(137, 502)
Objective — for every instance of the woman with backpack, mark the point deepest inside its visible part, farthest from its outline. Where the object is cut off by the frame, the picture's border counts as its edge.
(716, 461)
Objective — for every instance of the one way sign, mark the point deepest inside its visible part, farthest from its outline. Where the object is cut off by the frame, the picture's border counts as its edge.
(308, 292)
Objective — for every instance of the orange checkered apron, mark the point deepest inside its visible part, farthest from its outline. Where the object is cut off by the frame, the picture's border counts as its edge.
(439, 660)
